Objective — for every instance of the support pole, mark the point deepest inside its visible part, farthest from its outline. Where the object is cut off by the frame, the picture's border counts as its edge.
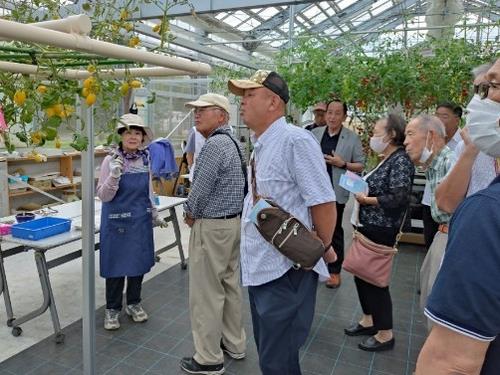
(88, 252)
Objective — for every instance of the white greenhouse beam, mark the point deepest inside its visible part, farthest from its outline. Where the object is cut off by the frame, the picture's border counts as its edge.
(12, 67)
(33, 34)
(214, 6)
(182, 39)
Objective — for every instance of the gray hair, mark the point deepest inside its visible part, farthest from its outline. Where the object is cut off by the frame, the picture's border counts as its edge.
(428, 122)
(481, 69)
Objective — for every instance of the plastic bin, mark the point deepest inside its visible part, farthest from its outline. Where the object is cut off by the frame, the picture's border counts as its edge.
(44, 227)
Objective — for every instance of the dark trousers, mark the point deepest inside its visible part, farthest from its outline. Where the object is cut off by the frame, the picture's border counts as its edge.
(491, 363)
(114, 291)
(338, 241)
(375, 301)
(282, 314)
(430, 226)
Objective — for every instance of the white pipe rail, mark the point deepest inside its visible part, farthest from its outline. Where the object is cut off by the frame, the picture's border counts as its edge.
(77, 24)
(82, 74)
(34, 34)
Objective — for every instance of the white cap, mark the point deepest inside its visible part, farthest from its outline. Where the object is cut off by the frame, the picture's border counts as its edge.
(210, 100)
(129, 119)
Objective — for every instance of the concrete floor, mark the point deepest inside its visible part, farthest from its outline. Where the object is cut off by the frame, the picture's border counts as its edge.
(26, 293)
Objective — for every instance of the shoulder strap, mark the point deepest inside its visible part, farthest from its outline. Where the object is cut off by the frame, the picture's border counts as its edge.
(243, 164)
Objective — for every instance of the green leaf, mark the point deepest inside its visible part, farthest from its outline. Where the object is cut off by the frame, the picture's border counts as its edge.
(22, 136)
(152, 98)
(80, 142)
(52, 122)
(50, 134)
(86, 7)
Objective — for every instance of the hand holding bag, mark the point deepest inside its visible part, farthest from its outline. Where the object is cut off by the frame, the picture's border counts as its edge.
(286, 233)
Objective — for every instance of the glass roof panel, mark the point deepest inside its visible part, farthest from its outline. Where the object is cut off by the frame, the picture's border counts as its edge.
(241, 15)
(380, 6)
(221, 15)
(311, 12)
(319, 18)
(232, 20)
(268, 13)
(342, 4)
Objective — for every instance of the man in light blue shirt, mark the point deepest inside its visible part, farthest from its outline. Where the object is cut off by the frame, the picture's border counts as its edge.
(289, 170)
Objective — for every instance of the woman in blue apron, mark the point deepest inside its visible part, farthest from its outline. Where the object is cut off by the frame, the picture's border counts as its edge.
(126, 243)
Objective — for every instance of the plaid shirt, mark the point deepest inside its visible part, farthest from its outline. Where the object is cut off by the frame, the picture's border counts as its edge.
(437, 171)
(218, 183)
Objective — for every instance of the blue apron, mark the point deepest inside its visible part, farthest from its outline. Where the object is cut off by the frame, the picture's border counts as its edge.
(126, 243)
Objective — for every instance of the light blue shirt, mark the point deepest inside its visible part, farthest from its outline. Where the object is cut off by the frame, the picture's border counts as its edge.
(290, 170)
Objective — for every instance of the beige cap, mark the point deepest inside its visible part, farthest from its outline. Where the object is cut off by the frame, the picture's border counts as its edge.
(210, 100)
(261, 78)
(129, 119)
(321, 106)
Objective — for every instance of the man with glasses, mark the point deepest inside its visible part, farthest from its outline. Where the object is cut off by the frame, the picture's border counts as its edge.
(213, 210)
(465, 299)
(474, 170)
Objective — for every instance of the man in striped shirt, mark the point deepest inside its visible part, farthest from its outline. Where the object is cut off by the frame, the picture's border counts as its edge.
(289, 169)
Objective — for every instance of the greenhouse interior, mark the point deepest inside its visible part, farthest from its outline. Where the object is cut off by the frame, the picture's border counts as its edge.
(250, 187)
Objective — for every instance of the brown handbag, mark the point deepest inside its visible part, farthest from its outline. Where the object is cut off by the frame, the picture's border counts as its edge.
(286, 233)
(370, 261)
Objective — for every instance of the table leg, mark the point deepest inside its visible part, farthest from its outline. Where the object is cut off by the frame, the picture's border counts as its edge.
(177, 233)
(48, 301)
(4, 288)
(172, 218)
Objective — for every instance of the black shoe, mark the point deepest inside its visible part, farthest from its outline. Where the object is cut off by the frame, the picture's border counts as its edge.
(233, 355)
(372, 345)
(358, 330)
(189, 365)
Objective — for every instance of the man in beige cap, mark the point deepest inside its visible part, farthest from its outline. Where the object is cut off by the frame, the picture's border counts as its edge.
(213, 210)
(319, 112)
(288, 167)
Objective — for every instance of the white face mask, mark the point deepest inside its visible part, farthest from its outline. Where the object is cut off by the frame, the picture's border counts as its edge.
(426, 152)
(482, 122)
(378, 144)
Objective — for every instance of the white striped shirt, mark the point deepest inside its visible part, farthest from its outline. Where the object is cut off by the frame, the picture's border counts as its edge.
(290, 171)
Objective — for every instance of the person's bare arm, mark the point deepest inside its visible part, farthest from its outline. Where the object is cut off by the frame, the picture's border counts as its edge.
(446, 352)
(189, 158)
(324, 217)
(452, 190)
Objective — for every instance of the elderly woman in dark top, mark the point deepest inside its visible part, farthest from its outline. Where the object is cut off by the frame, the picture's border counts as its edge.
(381, 212)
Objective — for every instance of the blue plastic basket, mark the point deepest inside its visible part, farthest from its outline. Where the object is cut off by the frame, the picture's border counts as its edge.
(44, 227)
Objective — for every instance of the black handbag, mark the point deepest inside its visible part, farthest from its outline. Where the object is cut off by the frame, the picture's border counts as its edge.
(286, 233)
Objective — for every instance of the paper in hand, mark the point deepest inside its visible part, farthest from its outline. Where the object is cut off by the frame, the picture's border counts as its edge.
(353, 183)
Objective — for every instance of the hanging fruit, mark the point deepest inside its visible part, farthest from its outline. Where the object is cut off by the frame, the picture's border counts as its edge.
(124, 88)
(20, 98)
(41, 89)
(134, 42)
(135, 84)
(90, 99)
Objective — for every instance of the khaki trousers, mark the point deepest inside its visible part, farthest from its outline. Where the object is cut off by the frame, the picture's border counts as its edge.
(430, 268)
(214, 289)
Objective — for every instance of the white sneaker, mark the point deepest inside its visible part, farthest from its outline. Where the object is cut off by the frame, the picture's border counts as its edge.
(111, 319)
(136, 312)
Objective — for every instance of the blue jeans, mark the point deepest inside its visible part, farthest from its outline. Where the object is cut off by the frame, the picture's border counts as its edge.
(282, 314)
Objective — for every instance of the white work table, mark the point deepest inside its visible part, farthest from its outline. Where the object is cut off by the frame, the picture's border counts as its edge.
(71, 211)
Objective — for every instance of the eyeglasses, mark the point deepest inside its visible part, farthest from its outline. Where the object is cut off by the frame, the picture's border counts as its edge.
(199, 111)
(483, 88)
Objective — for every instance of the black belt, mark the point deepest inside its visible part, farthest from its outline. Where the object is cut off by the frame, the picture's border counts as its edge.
(225, 216)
